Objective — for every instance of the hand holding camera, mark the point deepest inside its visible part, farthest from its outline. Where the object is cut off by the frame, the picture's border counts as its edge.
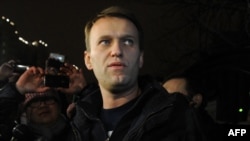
(36, 79)
(54, 76)
(77, 79)
(5, 72)
(10, 71)
(66, 77)
(31, 81)
(57, 74)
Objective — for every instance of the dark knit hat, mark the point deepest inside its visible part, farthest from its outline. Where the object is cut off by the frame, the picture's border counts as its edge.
(30, 97)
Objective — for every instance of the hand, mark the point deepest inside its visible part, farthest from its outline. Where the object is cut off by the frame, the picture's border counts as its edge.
(6, 70)
(31, 81)
(77, 79)
(70, 111)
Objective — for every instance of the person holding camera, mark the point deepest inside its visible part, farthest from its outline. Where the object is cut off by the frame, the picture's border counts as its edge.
(42, 105)
(9, 102)
(44, 117)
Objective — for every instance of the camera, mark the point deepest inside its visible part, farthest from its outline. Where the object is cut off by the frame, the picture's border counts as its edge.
(15, 66)
(56, 81)
(54, 62)
(18, 68)
(54, 77)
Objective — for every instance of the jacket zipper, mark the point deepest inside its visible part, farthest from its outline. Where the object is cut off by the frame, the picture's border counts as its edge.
(96, 119)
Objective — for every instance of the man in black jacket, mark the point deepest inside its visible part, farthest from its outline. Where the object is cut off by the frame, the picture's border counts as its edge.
(124, 107)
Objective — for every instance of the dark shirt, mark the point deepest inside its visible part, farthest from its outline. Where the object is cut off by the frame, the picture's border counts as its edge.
(110, 117)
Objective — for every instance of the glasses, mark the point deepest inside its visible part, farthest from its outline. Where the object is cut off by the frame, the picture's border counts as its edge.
(38, 103)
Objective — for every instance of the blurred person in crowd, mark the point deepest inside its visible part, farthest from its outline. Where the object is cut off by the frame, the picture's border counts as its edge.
(43, 106)
(184, 86)
(9, 103)
(192, 89)
(45, 121)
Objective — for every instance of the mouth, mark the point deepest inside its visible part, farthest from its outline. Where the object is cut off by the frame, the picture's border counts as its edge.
(117, 65)
(44, 113)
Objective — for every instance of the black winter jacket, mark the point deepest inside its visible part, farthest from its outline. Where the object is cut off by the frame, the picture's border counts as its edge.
(9, 107)
(155, 115)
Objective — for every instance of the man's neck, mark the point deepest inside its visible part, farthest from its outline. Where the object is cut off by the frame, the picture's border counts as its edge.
(111, 100)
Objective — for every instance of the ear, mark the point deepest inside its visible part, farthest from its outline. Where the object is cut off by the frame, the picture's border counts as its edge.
(141, 60)
(197, 99)
(87, 60)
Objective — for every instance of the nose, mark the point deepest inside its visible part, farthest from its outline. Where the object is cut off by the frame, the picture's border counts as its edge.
(116, 49)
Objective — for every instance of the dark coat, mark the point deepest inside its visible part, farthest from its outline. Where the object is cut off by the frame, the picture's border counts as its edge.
(9, 107)
(156, 115)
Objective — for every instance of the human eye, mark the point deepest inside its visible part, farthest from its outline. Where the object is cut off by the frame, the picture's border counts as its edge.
(128, 42)
(104, 42)
(49, 101)
(35, 104)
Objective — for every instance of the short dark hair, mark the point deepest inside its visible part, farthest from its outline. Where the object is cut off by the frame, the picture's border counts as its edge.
(193, 84)
(114, 11)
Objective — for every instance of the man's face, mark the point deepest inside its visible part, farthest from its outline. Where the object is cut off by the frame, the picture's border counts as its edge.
(114, 53)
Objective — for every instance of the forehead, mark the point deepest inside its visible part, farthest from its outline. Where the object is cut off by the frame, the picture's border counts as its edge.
(176, 82)
(113, 25)
(41, 99)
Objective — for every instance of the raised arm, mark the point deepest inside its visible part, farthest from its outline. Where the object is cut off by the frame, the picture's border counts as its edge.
(32, 80)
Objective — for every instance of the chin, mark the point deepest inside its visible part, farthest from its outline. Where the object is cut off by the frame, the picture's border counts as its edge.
(120, 80)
